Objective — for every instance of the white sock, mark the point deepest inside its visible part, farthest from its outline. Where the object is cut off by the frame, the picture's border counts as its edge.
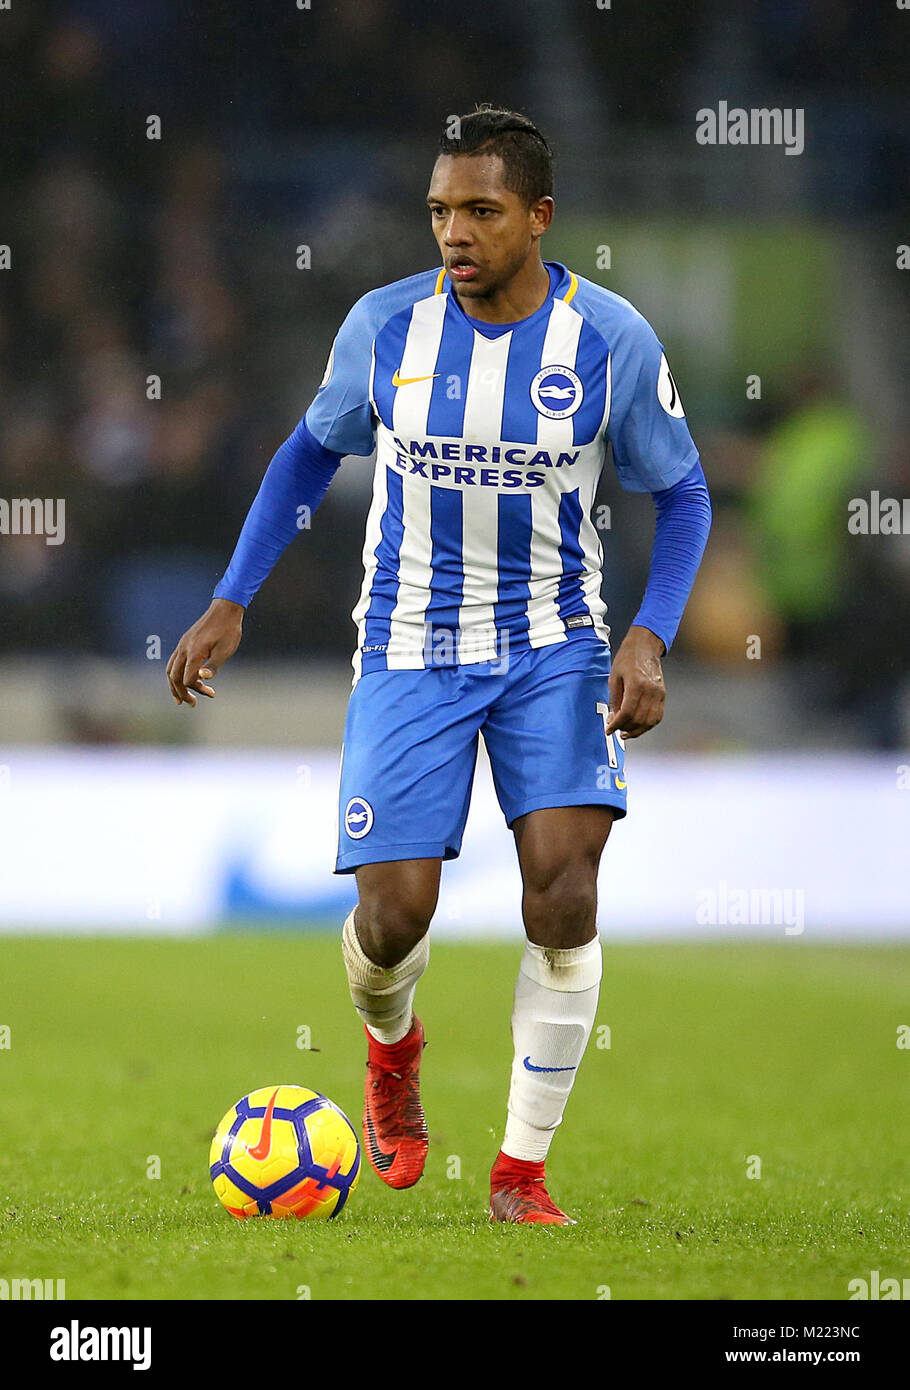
(383, 998)
(555, 1004)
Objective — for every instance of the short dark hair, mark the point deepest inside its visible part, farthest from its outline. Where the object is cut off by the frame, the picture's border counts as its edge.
(527, 157)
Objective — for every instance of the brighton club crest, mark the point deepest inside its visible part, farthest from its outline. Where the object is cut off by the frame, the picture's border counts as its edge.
(557, 392)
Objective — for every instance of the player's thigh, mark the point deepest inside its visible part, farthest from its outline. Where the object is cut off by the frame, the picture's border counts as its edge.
(560, 847)
(410, 747)
(545, 734)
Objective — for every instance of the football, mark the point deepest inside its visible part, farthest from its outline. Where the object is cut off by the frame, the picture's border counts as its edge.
(284, 1151)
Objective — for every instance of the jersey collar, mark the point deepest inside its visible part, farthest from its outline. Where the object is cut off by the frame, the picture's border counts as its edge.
(563, 284)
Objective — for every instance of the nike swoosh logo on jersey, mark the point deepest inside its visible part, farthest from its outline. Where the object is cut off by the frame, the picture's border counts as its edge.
(529, 1066)
(382, 1161)
(409, 380)
(262, 1149)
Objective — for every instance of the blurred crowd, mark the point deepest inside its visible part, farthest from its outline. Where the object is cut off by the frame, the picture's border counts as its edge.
(157, 340)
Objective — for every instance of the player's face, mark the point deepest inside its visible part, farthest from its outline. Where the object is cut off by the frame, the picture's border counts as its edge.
(485, 231)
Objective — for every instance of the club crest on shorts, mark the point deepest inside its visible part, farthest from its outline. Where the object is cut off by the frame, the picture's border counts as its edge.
(557, 392)
(358, 818)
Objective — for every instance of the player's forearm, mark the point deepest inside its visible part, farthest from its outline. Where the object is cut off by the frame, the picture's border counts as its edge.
(294, 484)
(683, 524)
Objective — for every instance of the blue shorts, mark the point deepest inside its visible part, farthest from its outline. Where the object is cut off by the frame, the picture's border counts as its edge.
(410, 746)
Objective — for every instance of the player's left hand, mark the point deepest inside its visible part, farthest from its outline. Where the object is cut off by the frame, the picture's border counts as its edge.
(637, 690)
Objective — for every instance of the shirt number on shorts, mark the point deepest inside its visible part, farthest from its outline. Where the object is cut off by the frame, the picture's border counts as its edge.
(604, 711)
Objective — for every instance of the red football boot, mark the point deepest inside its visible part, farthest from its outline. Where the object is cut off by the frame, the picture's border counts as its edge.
(518, 1193)
(394, 1126)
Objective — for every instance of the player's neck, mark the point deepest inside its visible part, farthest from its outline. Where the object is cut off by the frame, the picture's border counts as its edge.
(518, 299)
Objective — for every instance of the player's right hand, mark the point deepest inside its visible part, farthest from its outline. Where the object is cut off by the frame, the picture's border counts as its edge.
(203, 649)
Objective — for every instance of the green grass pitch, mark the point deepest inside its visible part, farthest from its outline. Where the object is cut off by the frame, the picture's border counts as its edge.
(124, 1049)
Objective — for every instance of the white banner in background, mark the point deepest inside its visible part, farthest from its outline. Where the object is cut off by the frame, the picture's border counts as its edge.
(171, 841)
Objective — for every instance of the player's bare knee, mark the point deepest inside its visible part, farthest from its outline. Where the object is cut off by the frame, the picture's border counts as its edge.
(388, 929)
(559, 905)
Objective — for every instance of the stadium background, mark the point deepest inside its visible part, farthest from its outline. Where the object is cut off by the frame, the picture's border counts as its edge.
(178, 257)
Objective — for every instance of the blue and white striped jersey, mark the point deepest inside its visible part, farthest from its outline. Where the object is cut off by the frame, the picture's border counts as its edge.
(490, 439)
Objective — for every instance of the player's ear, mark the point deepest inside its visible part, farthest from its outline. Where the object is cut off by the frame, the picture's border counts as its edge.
(541, 215)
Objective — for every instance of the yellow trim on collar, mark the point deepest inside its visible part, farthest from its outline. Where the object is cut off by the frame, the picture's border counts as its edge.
(568, 296)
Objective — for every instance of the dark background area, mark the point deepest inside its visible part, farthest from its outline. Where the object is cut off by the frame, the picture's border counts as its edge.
(134, 257)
